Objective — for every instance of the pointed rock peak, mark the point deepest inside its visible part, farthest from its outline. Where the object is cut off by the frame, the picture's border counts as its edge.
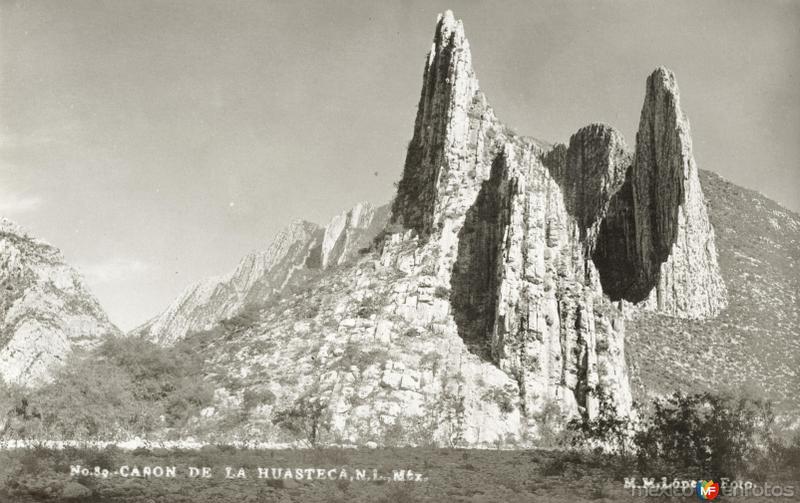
(674, 239)
(663, 160)
(446, 20)
(349, 232)
(446, 131)
(450, 31)
(449, 58)
(662, 77)
(662, 106)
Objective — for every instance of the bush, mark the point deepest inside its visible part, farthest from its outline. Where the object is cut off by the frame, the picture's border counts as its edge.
(442, 292)
(244, 319)
(431, 359)
(355, 355)
(606, 432)
(412, 332)
(504, 397)
(548, 419)
(369, 305)
(713, 435)
(254, 397)
(124, 386)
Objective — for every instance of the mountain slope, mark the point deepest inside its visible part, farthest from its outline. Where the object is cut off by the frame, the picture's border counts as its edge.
(355, 339)
(297, 250)
(215, 299)
(45, 308)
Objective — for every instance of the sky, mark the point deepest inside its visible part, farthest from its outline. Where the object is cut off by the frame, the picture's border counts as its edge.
(158, 142)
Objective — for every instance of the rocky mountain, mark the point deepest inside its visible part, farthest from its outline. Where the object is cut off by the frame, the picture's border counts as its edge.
(509, 285)
(499, 290)
(296, 251)
(46, 310)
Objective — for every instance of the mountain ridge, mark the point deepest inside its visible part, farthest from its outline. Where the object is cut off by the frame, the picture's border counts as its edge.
(298, 248)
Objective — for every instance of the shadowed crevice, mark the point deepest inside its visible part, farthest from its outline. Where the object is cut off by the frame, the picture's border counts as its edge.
(476, 273)
(614, 253)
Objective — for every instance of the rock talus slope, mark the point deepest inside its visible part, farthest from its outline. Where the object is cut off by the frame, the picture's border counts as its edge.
(46, 309)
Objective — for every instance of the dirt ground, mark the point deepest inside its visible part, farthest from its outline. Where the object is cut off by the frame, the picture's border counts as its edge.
(337, 475)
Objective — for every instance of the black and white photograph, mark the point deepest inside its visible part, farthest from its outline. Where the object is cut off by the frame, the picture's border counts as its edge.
(399, 251)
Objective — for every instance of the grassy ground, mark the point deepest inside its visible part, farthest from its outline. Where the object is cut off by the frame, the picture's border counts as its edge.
(451, 475)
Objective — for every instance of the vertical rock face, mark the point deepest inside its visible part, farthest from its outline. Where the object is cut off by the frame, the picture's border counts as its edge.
(514, 223)
(456, 137)
(594, 170)
(525, 292)
(45, 308)
(448, 89)
(300, 248)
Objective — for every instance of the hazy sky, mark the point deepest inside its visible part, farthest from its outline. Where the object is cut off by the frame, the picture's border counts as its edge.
(157, 142)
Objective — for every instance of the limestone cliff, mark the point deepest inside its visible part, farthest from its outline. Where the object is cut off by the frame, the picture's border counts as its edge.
(215, 299)
(516, 222)
(46, 310)
(350, 232)
(536, 241)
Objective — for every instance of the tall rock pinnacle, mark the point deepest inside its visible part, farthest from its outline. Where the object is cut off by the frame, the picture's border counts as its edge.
(451, 118)
(511, 234)
(669, 256)
(676, 243)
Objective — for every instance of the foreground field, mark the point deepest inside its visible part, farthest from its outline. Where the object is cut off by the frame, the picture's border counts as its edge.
(439, 475)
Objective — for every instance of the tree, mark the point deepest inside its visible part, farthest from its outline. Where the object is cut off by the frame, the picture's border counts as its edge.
(306, 418)
(607, 432)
